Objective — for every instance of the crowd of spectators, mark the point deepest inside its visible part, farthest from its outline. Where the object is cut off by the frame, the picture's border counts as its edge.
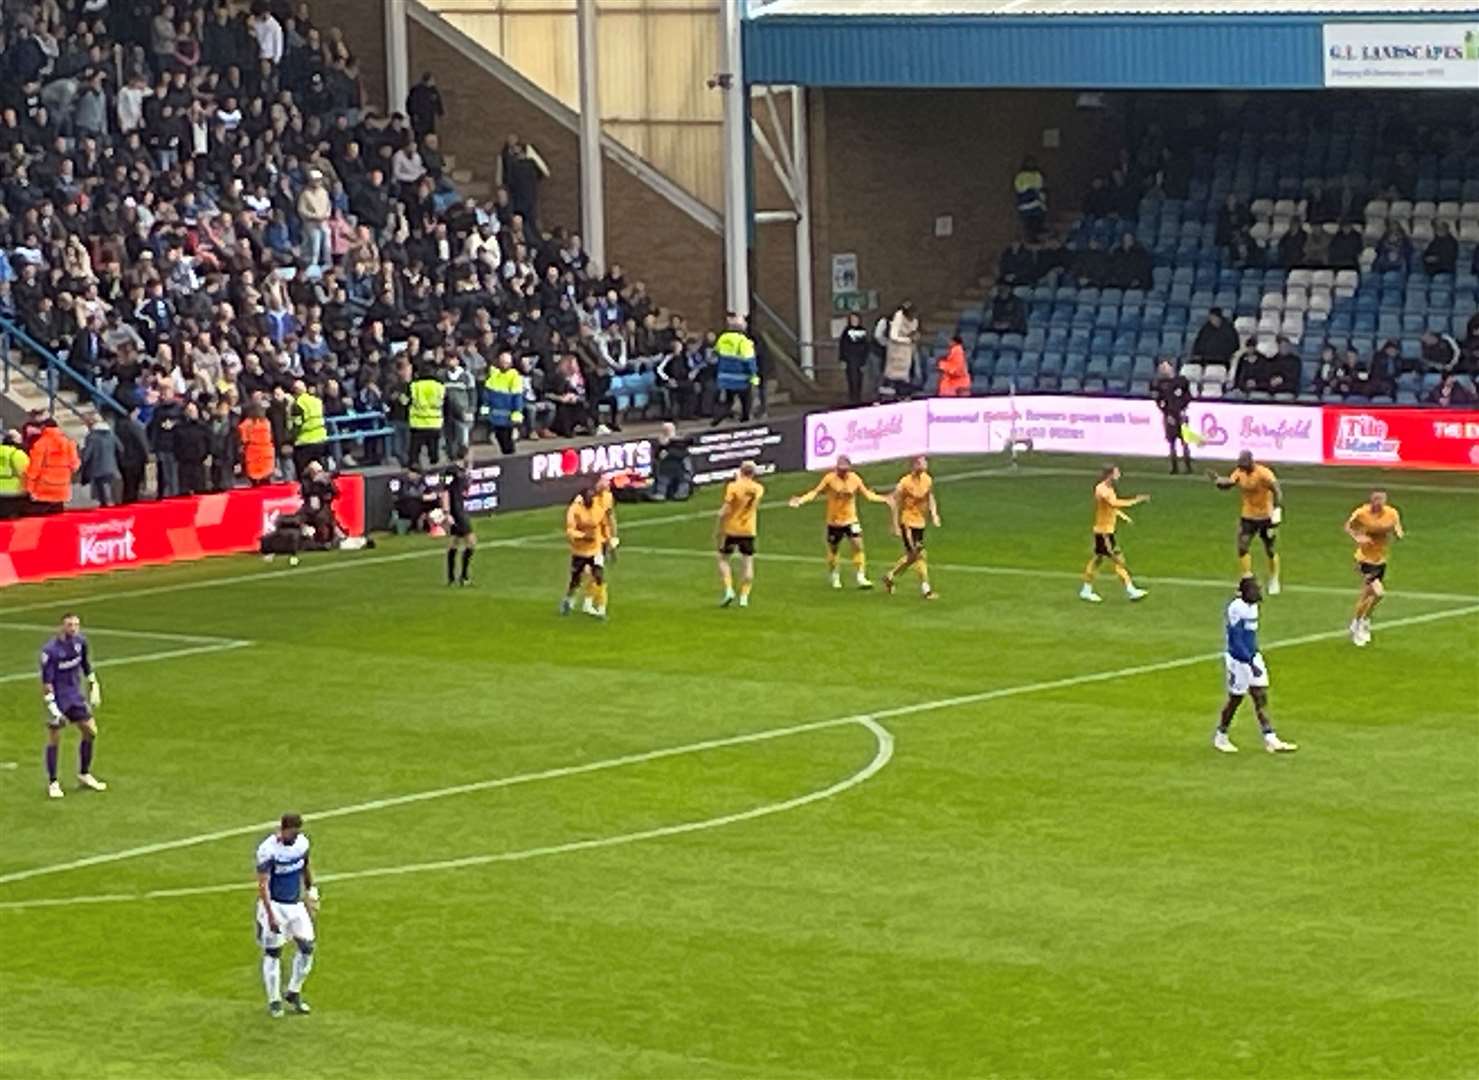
(199, 211)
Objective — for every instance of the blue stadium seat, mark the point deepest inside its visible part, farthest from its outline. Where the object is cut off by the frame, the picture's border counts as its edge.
(1052, 364)
(1074, 365)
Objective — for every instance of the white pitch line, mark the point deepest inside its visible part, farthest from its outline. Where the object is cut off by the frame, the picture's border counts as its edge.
(1028, 572)
(758, 736)
(105, 631)
(883, 753)
(222, 645)
(1396, 484)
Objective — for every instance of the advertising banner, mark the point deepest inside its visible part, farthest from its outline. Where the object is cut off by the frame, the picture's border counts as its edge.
(874, 433)
(1402, 438)
(773, 446)
(151, 533)
(1426, 56)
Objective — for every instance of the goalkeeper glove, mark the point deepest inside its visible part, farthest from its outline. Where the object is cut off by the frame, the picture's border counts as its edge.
(56, 714)
(95, 692)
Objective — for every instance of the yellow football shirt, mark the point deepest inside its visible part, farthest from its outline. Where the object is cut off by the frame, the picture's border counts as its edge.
(914, 499)
(842, 496)
(1256, 485)
(1378, 529)
(741, 506)
(1105, 503)
(583, 527)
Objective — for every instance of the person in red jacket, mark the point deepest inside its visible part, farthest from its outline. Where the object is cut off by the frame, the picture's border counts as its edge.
(54, 460)
(955, 376)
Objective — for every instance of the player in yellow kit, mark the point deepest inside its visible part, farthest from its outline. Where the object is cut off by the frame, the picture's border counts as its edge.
(1261, 514)
(606, 505)
(913, 497)
(734, 531)
(1109, 508)
(583, 530)
(1372, 526)
(842, 487)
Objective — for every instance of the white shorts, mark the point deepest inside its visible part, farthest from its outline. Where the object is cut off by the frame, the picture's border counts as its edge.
(1242, 675)
(293, 921)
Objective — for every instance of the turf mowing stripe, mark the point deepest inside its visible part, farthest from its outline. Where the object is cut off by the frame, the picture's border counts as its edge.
(771, 733)
(883, 753)
(1028, 572)
(109, 632)
(220, 645)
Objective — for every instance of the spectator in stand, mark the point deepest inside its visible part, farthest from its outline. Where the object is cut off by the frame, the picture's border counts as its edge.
(1292, 245)
(1017, 265)
(1393, 251)
(1031, 198)
(1249, 368)
(14, 463)
(1369, 378)
(1346, 247)
(521, 170)
(504, 394)
(1089, 266)
(1452, 392)
(1008, 313)
(133, 453)
(1441, 254)
(1328, 369)
(853, 350)
(568, 392)
(1130, 265)
(1172, 394)
(1233, 217)
(1216, 341)
(163, 420)
(314, 211)
(268, 33)
(955, 375)
(1321, 207)
(675, 378)
(1283, 370)
(1438, 352)
(101, 461)
(460, 406)
(53, 461)
(424, 106)
(903, 333)
(1245, 253)
(192, 449)
(1099, 200)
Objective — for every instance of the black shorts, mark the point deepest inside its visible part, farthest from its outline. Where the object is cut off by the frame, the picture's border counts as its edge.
(1260, 527)
(72, 714)
(460, 526)
(913, 539)
(579, 564)
(838, 533)
(1371, 571)
(745, 545)
(1105, 544)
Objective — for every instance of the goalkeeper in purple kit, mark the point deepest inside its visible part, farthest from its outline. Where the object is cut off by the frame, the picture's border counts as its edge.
(64, 664)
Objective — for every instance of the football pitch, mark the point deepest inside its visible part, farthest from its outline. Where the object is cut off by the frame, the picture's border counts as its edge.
(836, 834)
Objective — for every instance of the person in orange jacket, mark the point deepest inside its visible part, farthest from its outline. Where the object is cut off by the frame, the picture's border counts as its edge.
(54, 459)
(955, 376)
(258, 452)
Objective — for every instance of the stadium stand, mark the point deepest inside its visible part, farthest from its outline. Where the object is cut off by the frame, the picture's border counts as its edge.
(1274, 228)
(202, 200)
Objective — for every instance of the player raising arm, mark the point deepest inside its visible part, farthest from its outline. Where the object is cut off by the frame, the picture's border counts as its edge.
(1109, 508)
(1372, 526)
(64, 662)
(583, 531)
(734, 531)
(285, 910)
(1262, 513)
(842, 487)
(1246, 671)
(912, 497)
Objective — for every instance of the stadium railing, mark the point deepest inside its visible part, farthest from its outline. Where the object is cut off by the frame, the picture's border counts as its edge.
(51, 374)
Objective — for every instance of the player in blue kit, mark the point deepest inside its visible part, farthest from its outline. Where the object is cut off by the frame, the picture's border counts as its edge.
(64, 663)
(286, 901)
(1247, 674)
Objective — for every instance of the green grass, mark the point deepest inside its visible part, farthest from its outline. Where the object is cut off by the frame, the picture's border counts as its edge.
(1062, 882)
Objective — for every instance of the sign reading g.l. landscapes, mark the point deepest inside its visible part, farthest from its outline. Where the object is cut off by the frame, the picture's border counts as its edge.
(1402, 55)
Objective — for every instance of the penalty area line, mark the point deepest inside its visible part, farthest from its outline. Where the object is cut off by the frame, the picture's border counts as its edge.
(217, 645)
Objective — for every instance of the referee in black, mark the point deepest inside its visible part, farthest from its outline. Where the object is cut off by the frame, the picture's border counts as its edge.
(455, 480)
(1172, 396)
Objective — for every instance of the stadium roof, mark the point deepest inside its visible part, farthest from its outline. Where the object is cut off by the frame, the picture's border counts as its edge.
(1036, 8)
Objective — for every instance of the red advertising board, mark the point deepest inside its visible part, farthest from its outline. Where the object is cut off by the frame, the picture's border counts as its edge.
(150, 533)
(1402, 438)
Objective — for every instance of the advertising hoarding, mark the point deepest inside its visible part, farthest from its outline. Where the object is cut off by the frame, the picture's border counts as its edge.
(1386, 55)
(1402, 438)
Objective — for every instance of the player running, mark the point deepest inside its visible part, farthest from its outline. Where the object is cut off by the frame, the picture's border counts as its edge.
(285, 910)
(1372, 526)
(583, 530)
(912, 496)
(842, 487)
(460, 532)
(734, 531)
(1262, 512)
(64, 663)
(1108, 509)
(1246, 671)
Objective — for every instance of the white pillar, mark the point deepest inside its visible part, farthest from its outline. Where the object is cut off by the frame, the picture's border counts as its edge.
(802, 183)
(592, 185)
(736, 209)
(397, 55)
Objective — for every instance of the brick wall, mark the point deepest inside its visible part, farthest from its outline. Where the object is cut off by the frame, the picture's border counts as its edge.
(363, 24)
